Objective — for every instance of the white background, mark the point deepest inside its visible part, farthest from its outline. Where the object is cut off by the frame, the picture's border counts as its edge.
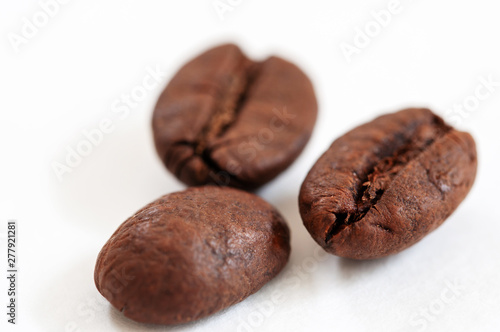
(66, 78)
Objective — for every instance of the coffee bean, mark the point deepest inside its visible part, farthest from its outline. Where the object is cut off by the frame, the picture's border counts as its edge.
(190, 254)
(383, 186)
(224, 119)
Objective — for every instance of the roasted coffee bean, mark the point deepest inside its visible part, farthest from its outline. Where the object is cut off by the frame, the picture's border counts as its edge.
(190, 254)
(383, 186)
(224, 119)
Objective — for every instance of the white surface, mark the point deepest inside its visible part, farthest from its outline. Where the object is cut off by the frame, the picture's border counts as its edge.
(66, 78)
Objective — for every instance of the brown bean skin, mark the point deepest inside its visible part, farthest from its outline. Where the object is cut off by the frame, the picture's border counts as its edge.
(386, 184)
(227, 120)
(190, 254)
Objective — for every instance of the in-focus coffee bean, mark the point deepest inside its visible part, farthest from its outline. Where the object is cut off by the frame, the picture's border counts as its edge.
(383, 186)
(190, 254)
